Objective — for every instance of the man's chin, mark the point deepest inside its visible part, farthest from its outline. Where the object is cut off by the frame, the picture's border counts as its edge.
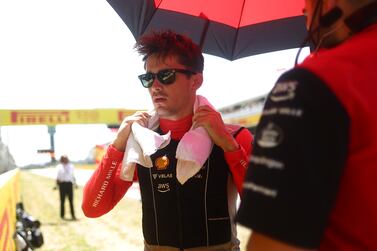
(161, 111)
(165, 113)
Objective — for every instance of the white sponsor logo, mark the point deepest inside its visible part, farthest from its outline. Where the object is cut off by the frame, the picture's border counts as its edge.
(284, 91)
(260, 189)
(162, 176)
(291, 112)
(165, 176)
(269, 163)
(271, 111)
(163, 187)
(294, 112)
(244, 163)
(270, 136)
(103, 188)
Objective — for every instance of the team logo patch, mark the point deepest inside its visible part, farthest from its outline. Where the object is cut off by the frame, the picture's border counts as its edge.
(270, 136)
(161, 163)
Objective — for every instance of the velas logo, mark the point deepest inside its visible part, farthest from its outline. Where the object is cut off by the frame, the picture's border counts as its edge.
(162, 163)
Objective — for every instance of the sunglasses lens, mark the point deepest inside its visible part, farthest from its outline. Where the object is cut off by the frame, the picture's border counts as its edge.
(166, 76)
(146, 79)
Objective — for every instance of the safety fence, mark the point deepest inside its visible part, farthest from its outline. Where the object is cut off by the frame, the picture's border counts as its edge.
(9, 196)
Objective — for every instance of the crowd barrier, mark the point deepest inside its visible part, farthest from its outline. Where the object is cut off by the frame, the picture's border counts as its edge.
(9, 196)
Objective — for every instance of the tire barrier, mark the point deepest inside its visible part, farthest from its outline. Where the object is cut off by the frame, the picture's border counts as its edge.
(28, 234)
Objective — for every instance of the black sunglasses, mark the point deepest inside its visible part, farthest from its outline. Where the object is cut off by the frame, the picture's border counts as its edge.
(166, 76)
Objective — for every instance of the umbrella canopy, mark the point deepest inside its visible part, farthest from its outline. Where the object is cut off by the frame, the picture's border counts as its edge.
(230, 29)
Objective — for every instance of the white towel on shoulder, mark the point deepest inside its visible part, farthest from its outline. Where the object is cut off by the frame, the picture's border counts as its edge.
(192, 151)
(194, 148)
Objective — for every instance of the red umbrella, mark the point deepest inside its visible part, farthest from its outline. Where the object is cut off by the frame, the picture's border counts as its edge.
(230, 29)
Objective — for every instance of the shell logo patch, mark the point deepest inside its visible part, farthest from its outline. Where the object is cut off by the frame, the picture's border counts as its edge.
(161, 163)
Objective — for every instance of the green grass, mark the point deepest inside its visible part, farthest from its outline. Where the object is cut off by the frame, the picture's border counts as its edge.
(120, 229)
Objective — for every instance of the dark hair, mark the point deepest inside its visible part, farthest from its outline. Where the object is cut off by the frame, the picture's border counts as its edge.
(64, 158)
(166, 43)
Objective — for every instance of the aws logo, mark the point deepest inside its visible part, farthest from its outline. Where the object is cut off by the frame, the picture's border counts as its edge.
(284, 91)
(163, 187)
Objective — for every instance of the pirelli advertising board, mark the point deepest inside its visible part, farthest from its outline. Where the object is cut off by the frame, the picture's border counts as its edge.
(55, 117)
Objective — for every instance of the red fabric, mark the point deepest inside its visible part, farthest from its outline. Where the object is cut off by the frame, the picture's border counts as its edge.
(267, 10)
(238, 161)
(353, 220)
(177, 128)
(105, 188)
(229, 12)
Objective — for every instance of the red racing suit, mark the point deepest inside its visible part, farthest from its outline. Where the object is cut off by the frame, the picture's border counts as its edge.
(105, 188)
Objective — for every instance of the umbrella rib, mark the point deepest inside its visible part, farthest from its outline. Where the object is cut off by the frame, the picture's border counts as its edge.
(205, 29)
(237, 30)
(147, 23)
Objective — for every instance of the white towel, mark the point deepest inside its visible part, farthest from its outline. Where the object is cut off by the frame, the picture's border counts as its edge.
(192, 151)
(194, 148)
(141, 144)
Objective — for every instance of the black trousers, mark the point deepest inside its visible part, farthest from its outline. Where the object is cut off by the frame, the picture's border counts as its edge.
(66, 190)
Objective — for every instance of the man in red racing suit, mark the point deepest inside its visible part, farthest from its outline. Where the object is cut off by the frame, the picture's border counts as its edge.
(199, 213)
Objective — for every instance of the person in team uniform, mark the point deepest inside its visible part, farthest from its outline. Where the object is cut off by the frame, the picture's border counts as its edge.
(311, 183)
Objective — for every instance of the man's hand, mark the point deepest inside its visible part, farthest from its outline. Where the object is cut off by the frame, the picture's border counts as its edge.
(124, 131)
(211, 120)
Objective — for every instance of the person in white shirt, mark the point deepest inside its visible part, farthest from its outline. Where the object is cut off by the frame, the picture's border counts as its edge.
(65, 180)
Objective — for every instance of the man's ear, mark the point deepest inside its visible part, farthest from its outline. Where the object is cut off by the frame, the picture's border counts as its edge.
(197, 80)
